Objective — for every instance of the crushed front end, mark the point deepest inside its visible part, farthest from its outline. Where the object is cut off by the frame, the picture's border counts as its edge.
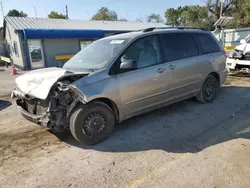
(31, 108)
(54, 111)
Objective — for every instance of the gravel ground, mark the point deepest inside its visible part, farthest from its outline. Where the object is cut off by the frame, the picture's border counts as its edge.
(184, 145)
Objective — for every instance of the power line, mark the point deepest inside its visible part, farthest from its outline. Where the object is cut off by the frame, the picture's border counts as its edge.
(35, 11)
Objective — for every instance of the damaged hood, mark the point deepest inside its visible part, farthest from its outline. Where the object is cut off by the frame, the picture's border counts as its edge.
(245, 48)
(241, 47)
(37, 83)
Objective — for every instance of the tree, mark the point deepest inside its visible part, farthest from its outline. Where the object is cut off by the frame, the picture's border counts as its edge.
(238, 14)
(193, 15)
(141, 19)
(197, 16)
(190, 16)
(234, 8)
(214, 7)
(16, 13)
(172, 15)
(56, 15)
(154, 18)
(246, 12)
(242, 14)
(205, 16)
(105, 14)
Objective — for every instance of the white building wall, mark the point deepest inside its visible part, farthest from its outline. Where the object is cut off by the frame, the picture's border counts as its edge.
(11, 38)
(233, 36)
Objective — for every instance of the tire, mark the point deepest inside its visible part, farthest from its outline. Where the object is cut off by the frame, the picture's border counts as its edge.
(92, 123)
(209, 90)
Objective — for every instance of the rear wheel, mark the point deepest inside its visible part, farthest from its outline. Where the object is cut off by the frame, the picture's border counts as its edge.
(92, 123)
(208, 90)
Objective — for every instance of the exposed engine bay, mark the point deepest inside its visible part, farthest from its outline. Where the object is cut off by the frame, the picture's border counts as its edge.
(53, 112)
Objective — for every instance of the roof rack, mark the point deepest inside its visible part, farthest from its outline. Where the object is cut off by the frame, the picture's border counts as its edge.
(179, 27)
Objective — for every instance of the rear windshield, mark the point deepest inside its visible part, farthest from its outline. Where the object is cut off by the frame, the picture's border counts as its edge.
(207, 43)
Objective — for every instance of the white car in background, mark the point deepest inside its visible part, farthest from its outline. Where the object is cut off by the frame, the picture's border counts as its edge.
(239, 59)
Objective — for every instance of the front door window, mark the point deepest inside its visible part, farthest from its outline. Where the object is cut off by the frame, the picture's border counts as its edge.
(145, 51)
(35, 51)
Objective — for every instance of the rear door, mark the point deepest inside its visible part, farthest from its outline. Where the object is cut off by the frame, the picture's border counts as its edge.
(182, 63)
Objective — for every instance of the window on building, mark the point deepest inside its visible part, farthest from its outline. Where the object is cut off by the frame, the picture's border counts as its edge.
(15, 49)
(35, 52)
(85, 43)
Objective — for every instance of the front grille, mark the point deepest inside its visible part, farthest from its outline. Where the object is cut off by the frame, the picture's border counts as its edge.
(36, 106)
(30, 105)
(42, 106)
(247, 56)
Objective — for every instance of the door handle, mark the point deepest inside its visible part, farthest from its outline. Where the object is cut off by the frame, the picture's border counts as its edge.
(161, 70)
(172, 66)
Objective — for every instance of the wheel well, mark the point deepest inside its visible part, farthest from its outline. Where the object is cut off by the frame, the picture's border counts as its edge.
(216, 75)
(111, 104)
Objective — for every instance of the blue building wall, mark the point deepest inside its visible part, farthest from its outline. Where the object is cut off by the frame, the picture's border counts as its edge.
(57, 42)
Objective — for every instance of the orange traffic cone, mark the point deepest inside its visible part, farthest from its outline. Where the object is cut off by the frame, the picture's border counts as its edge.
(14, 72)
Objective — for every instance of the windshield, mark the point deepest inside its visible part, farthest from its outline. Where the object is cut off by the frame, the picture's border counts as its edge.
(96, 56)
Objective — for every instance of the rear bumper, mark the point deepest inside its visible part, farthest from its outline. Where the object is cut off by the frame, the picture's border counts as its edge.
(41, 120)
(223, 76)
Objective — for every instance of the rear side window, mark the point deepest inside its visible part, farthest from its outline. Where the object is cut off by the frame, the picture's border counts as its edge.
(207, 43)
(179, 46)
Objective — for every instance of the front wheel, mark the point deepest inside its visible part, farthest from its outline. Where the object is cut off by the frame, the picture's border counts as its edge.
(209, 90)
(92, 123)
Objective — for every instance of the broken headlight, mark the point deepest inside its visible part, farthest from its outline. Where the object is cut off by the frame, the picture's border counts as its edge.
(236, 54)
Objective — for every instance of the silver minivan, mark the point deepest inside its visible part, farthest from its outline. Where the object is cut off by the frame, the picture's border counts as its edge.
(121, 76)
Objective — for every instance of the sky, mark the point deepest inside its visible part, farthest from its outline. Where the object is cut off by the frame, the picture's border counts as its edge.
(82, 9)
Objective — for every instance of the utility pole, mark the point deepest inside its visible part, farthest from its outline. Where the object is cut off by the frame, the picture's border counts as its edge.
(221, 36)
(67, 14)
(221, 7)
(88, 15)
(35, 11)
(1, 3)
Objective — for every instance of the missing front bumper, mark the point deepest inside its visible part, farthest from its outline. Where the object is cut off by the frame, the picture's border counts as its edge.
(38, 119)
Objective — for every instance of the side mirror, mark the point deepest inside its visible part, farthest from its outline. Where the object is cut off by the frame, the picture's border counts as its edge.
(243, 41)
(128, 65)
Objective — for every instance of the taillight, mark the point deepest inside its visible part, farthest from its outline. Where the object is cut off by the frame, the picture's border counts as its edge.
(225, 53)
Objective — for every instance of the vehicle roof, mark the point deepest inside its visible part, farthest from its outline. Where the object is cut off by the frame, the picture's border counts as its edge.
(134, 34)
